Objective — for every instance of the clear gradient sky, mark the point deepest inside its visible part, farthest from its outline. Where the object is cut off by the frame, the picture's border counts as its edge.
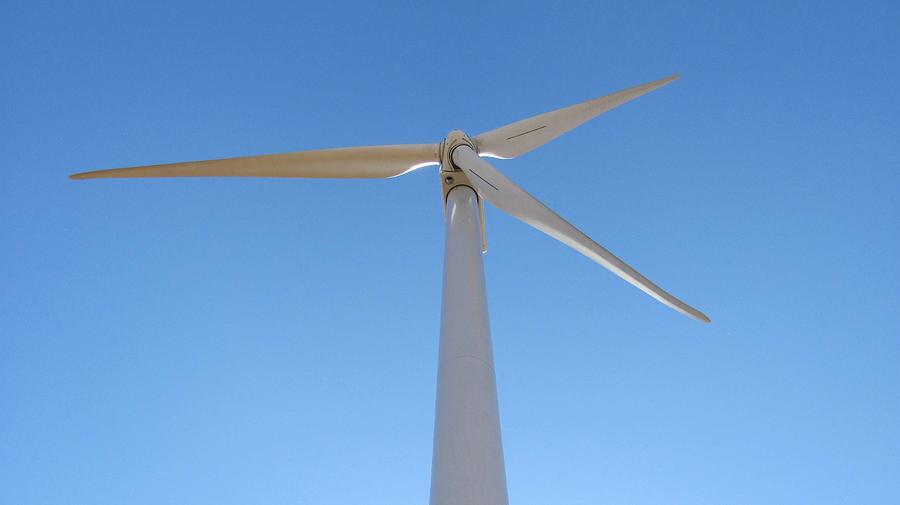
(275, 341)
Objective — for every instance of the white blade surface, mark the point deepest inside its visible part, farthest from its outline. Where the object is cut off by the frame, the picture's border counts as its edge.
(528, 134)
(510, 198)
(351, 162)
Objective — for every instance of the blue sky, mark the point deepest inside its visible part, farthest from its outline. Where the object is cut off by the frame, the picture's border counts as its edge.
(275, 341)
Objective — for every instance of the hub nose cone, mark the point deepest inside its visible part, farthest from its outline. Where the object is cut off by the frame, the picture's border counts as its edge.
(453, 140)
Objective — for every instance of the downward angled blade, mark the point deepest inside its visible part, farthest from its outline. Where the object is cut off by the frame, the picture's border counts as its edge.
(510, 198)
(351, 162)
(528, 134)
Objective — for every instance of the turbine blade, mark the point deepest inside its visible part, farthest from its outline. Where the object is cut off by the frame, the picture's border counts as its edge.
(510, 198)
(351, 162)
(528, 134)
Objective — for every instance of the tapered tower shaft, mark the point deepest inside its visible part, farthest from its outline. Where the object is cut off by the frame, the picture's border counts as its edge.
(467, 465)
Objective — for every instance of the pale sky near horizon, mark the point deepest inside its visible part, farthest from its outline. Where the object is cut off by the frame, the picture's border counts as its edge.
(275, 341)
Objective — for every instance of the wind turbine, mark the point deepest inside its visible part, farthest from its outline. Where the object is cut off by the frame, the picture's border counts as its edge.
(467, 464)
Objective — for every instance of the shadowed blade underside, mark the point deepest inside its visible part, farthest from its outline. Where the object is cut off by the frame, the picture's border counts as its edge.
(344, 163)
(528, 134)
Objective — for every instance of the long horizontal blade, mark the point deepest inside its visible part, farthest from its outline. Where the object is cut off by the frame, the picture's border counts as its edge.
(510, 198)
(528, 134)
(351, 162)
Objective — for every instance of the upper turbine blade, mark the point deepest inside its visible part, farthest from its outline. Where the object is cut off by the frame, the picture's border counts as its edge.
(528, 134)
(510, 198)
(351, 162)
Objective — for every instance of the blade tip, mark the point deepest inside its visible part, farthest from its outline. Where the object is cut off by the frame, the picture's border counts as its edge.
(93, 174)
(670, 78)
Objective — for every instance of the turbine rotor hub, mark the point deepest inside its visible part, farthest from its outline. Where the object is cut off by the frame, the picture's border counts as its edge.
(453, 140)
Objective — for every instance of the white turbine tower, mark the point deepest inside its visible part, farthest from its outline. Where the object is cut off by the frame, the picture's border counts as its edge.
(467, 465)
